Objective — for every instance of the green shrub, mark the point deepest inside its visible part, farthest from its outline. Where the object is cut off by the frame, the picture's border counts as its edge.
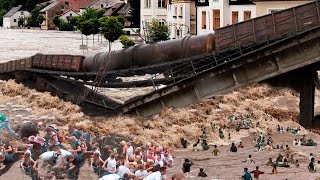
(63, 26)
(126, 42)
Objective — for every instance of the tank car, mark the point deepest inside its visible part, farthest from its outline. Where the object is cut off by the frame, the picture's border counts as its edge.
(148, 54)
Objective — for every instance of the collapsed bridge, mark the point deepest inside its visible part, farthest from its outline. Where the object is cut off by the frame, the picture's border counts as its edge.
(281, 48)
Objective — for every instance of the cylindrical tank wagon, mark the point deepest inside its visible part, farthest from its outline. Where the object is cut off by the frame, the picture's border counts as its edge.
(148, 54)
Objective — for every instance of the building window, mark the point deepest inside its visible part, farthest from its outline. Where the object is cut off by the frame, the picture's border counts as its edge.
(162, 21)
(162, 4)
(235, 17)
(70, 14)
(175, 11)
(101, 5)
(181, 11)
(216, 19)
(147, 3)
(67, 3)
(246, 15)
(62, 6)
(204, 20)
(14, 20)
(22, 13)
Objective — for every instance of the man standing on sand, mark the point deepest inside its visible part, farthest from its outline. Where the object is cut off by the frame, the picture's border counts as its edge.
(5, 124)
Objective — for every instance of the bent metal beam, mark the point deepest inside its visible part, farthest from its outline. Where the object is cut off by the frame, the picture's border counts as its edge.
(278, 58)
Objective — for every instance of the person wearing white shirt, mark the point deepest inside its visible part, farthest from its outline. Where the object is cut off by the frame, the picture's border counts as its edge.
(317, 167)
(158, 175)
(111, 165)
(141, 173)
(311, 156)
(167, 159)
(159, 161)
(110, 177)
(129, 151)
(122, 170)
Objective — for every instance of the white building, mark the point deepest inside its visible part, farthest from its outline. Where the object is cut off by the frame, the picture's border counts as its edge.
(181, 18)
(219, 13)
(66, 15)
(11, 19)
(153, 9)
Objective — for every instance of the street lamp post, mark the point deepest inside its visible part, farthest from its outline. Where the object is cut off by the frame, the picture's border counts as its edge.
(181, 27)
(174, 26)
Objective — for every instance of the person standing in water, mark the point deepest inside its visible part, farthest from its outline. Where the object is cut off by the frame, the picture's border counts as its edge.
(5, 124)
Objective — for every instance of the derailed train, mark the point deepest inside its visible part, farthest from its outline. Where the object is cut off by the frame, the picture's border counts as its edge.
(275, 25)
(136, 56)
(147, 54)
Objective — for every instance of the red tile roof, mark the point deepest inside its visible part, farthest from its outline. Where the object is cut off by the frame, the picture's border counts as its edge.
(77, 4)
(113, 9)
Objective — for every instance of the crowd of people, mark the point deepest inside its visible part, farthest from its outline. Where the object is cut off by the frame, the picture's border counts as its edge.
(57, 156)
(285, 159)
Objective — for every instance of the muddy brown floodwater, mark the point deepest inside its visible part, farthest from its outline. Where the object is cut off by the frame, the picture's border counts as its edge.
(24, 105)
(228, 165)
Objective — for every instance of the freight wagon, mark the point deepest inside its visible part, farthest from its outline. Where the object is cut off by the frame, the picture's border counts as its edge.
(42, 61)
(254, 31)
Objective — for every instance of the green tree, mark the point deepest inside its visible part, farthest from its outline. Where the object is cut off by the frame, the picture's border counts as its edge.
(21, 22)
(2, 13)
(74, 21)
(95, 28)
(157, 31)
(63, 26)
(40, 19)
(86, 28)
(100, 12)
(33, 20)
(56, 21)
(112, 28)
(126, 42)
(7, 4)
(88, 22)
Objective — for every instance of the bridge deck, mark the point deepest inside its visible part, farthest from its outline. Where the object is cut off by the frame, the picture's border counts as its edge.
(288, 54)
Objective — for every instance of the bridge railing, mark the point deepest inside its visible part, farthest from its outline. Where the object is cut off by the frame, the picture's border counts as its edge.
(241, 38)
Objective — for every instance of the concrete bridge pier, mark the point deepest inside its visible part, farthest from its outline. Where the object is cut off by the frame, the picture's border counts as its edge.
(307, 93)
(303, 81)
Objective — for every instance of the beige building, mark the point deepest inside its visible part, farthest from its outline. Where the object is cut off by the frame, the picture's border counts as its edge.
(57, 8)
(264, 7)
(182, 18)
